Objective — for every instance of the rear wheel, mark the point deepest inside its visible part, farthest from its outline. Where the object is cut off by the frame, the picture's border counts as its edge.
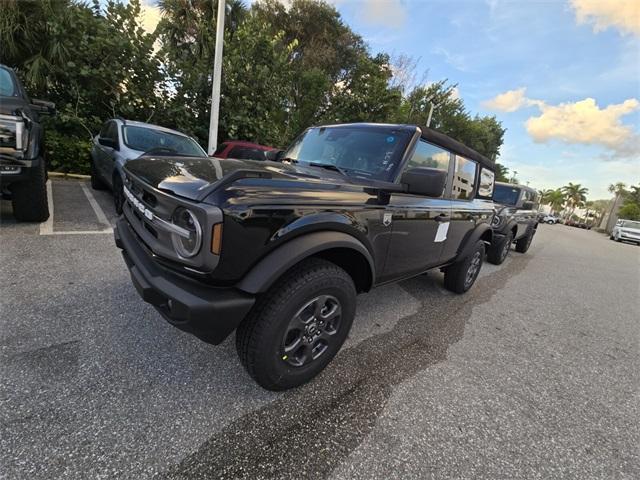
(461, 276)
(523, 244)
(550, 222)
(498, 252)
(298, 326)
(29, 198)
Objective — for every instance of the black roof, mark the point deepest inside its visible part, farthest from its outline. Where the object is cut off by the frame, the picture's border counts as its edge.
(455, 146)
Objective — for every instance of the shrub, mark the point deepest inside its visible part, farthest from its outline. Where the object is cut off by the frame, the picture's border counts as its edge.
(67, 153)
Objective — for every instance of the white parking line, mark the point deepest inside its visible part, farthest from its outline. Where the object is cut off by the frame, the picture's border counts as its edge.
(102, 218)
(46, 228)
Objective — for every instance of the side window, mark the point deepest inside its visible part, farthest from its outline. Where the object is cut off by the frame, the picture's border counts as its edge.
(464, 179)
(427, 155)
(487, 180)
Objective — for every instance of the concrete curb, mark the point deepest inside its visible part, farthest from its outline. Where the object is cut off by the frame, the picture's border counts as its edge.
(69, 175)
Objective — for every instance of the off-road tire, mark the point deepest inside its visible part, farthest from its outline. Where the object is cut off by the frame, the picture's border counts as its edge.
(498, 252)
(455, 276)
(96, 182)
(523, 244)
(118, 193)
(259, 337)
(29, 198)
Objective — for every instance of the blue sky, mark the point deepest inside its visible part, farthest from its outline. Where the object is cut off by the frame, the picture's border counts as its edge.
(563, 76)
(551, 55)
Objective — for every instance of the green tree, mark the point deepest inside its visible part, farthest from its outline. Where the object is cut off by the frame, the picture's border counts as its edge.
(502, 173)
(629, 211)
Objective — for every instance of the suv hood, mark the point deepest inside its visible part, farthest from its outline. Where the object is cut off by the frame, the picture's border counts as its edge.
(194, 178)
(10, 105)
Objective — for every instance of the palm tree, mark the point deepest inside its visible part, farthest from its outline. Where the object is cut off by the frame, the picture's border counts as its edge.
(556, 199)
(544, 196)
(576, 195)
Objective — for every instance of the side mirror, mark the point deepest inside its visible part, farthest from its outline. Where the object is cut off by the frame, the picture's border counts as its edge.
(425, 181)
(43, 107)
(273, 155)
(527, 205)
(108, 142)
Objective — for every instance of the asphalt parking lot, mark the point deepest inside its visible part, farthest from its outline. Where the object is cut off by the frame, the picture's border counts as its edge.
(535, 373)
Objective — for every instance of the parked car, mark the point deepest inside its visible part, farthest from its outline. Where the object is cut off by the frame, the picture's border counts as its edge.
(23, 161)
(627, 230)
(516, 220)
(122, 140)
(279, 250)
(242, 150)
(550, 219)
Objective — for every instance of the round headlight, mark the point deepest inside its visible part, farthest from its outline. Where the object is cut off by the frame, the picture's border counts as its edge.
(186, 246)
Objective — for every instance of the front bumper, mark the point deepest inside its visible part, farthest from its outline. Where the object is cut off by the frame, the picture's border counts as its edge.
(210, 313)
(14, 170)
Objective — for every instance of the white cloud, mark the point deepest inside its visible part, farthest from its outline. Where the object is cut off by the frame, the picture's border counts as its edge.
(621, 14)
(384, 12)
(150, 16)
(584, 122)
(509, 101)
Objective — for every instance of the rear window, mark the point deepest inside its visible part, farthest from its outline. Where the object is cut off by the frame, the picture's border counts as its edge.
(7, 85)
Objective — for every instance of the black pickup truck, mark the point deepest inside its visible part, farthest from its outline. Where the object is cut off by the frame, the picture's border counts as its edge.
(516, 220)
(22, 160)
(278, 250)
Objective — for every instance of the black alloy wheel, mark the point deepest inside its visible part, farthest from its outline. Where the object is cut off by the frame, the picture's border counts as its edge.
(311, 330)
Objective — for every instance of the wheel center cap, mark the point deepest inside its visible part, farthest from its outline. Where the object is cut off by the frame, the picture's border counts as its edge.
(312, 329)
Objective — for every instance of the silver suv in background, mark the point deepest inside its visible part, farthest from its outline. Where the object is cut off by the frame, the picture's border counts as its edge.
(628, 230)
(122, 140)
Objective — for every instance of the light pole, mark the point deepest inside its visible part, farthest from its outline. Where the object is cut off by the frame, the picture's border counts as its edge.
(217, 74)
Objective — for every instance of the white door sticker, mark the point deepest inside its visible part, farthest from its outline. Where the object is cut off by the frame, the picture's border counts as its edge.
(441, 234)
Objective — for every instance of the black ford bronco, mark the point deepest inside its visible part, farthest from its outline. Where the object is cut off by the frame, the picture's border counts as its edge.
(22, 162)
(279, 249)
(516, 220)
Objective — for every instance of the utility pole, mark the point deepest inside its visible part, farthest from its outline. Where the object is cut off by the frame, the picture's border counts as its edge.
(217, 74)
(430, 113)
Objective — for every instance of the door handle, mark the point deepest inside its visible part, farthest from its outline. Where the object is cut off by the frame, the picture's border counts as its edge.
(442, 218)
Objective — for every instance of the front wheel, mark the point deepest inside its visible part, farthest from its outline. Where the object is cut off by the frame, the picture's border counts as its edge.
(298, 326)
(461, 276)
(29, 198)
(550, 222)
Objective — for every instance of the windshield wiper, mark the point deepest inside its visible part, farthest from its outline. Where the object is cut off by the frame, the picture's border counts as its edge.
(328, 166)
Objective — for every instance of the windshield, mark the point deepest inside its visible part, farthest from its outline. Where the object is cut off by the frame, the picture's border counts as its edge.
(506, 194)
(146, 139)
(358, 151)
(630, 224)
(7, 85)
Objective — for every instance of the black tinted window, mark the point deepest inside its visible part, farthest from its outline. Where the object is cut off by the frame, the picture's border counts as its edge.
(464, 178)
(247, 153)
(506, 194)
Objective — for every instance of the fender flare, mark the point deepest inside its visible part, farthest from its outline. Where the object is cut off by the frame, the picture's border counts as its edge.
(473, 237)
(271, 267)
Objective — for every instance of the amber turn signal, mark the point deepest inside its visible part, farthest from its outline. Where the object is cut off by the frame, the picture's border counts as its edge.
(216, 239)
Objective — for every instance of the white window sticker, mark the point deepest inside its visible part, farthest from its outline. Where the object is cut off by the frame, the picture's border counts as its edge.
(441, 234)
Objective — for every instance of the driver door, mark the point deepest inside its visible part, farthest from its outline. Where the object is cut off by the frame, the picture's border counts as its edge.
(419, 223)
